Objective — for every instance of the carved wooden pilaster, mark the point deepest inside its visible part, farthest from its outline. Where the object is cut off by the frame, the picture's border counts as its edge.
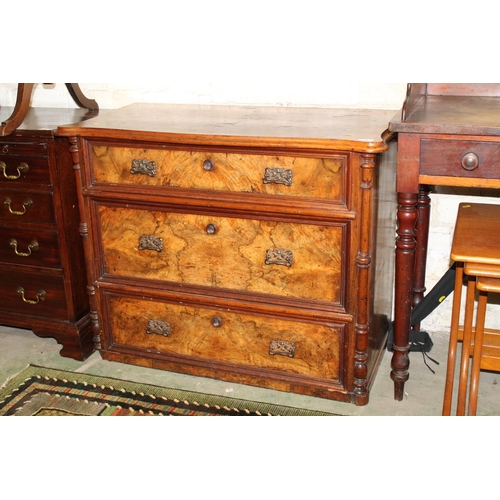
(86, 245)
(364, 263)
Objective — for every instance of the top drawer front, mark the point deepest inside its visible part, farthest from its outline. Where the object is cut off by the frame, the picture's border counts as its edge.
(23, 148)
(285, 175)
(452, 158)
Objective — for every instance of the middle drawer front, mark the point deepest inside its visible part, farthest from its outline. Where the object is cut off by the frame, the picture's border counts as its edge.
(278, 258)
(26, 206)
(322, 178)
(241, 339)
(30, 247)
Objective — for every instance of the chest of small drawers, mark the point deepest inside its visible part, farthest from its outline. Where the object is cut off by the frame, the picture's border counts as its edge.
(247, 244)
(43, 284)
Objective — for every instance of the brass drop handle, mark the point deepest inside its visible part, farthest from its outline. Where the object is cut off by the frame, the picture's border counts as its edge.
(41, 294)
(470, 161)
(211, 229)
(208, 164)
(26, 204)
(32, 246)
(22, 169)
(217, 321)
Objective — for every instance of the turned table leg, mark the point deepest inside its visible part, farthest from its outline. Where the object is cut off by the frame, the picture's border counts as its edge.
(407, 217)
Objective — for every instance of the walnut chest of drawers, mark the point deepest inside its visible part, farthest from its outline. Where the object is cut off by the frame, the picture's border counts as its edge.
(43, 284)
(248, 244)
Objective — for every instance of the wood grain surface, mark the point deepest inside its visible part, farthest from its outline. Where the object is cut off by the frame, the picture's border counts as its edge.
(234, 257)
(312, 177)
(241, 339)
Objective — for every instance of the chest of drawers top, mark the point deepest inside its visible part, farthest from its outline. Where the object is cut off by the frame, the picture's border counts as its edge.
(247, 126)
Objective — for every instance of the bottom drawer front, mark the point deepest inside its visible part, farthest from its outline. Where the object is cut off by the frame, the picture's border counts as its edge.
(158, 327)
(33, 294)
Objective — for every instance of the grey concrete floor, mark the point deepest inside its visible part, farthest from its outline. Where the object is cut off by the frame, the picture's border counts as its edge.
(423, 391)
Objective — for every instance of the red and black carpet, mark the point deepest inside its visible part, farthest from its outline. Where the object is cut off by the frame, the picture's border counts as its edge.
(39, 391)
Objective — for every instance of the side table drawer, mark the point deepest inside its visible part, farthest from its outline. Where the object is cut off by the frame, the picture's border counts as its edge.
(32, 247)
(240, 339)
(216, 171)
(455, 158)
(279, 258)
(32, 293)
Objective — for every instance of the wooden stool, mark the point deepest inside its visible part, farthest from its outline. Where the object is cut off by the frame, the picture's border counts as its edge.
(476, 250)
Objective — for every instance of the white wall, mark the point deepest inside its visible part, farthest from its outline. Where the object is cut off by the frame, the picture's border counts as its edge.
(246, 90)
(217, 89)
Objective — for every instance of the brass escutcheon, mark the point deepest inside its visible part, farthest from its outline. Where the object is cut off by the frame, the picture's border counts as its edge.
(26, 204)
(41, 294)
(32, 246)
(217, 321)
(22, 169)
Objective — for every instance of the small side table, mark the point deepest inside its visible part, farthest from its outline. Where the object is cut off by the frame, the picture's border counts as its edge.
(448, 135)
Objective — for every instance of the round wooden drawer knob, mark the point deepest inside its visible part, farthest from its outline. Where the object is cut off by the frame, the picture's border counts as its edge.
(470, 161)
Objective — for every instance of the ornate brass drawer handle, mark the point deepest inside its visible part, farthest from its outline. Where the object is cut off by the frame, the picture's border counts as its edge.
(26, 204)
(150, 243)
(33, 246)
(145, 167)
(282, 348)
(278, 176)
(41, 294)
(279, 257)
(22, 169)
(156, 327)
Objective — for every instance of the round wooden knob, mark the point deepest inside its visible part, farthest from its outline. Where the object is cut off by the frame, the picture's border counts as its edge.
(208, 164)
(470, 161)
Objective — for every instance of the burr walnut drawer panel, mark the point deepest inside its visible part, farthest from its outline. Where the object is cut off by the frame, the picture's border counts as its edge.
(30, 247)
(241, 339)
(26, 206)
(455, 158)
(286, 259)
(32, 293)
(23, 170)
(217, 171)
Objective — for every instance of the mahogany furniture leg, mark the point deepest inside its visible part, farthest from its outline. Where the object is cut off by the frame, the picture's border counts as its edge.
(422, 228)
(405, 263)
(20, 109)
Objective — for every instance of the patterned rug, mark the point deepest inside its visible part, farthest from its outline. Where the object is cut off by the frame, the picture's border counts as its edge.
(39, 391)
